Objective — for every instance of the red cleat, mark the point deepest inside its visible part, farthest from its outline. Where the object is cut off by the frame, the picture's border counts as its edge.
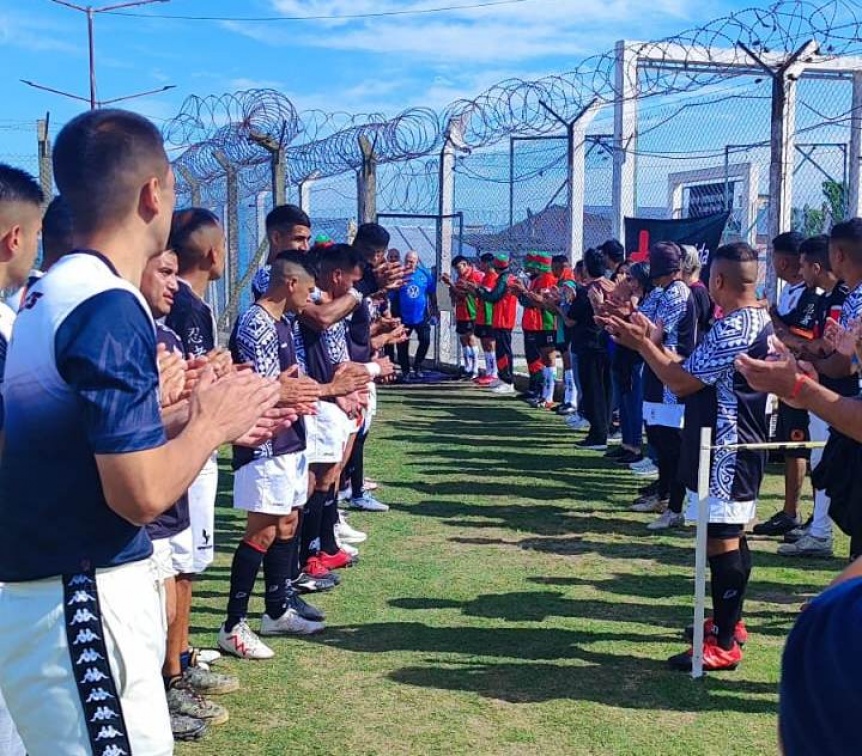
(740, 634)
(336, 561)
(485, 380)
(715, 658)
(316, 568)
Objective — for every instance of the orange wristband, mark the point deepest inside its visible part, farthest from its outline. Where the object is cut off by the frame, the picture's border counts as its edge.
(801, 380)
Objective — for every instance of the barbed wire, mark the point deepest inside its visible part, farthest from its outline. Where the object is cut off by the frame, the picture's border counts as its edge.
(244, 129)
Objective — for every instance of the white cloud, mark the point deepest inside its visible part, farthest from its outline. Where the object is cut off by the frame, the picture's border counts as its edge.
(34, 34)
(245, 82)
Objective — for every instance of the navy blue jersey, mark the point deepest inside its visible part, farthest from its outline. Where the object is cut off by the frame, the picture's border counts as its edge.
(176, 519)
(268, 346)
(7, 318)
(728, 405)
(81, 380)
(192, 320)
(359, 332)
(831, 305)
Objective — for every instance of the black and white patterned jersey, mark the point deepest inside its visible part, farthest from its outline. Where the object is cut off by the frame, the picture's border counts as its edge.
(728, 405)
(675, 312)
(268, 345)
(852, 309)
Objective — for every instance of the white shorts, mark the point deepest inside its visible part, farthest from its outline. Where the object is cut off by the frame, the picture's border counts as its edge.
(80, 663)
(326, 434)
(273, 485)
(722, 512)
(371, 410)
(202, 498)
(174, 555)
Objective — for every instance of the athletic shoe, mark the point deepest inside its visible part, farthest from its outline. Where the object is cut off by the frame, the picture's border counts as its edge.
(615, 438)
(367, 503)
(208, 683)
(315, 567)
(542, 405)
(290, 623)
(777, 525)
(667, 520)
(186, 728)
(337, 561)
(578, 423)
(204, 655)
(808, 546)
(629, 458)
(715, 658)
(370, 485)
(303, 608)
(183, 700)
(794, 535)
(352, 551)
(347, 534)
(485, 381)
(740, 633)
(565, 409)
(503, 388)
(614, 453)
(649, 504)
(345, 494)
(242, 642)
(644, 469)
(591, 445)
(305, 583)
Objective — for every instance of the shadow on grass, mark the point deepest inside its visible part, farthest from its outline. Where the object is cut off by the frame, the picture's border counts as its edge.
(621, 681)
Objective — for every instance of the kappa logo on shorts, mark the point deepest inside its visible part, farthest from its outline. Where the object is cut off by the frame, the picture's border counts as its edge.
(109, 733)
(81, 597)
(96, 689)
(98, 695)
(104, 713)
(94, 675)
(83, 617)
(89, 656)
(85, 636)
(114, 750)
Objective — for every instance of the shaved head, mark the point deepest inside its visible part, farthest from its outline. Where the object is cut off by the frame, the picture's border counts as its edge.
(733, 272)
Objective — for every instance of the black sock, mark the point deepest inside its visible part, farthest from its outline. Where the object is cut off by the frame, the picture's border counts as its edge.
(312, 516)
(357, 460)
(293, 545)
(728, 586)
(276, 567)
(243, 572)
(328, 544)
(171, 680)
(746, 566)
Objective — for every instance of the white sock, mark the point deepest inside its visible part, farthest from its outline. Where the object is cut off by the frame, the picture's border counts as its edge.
(548, 376)
(569, 382)
(491, 364)
(470, 359)
(466, 353)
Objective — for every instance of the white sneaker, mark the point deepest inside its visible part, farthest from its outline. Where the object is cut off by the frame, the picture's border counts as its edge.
(808, 546)
(207, 655)
(645, 468)
(615, 438)
(345, 494)
(667, 520)
(577, 423)
(242, 642)
(503, 388)
(347, 534)
(290, 623)
(367, 503)
(649, 505)
(347, 548)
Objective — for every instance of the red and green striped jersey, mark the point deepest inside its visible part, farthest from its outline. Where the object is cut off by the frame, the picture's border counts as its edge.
(535, 318)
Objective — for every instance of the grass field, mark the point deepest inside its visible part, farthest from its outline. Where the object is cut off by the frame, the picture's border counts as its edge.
(508, 604)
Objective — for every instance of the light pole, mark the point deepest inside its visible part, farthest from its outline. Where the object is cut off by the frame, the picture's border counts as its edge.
(91, 12)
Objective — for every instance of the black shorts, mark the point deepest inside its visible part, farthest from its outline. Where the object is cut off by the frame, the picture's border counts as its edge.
(464, 327)
(484, 331)
(568, 338)
(722, 531)
(792, 428)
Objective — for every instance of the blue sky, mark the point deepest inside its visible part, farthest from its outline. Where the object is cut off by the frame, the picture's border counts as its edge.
(359, 65)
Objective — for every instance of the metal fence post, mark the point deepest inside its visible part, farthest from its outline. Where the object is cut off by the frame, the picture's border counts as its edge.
(46, 168)
(366, 182)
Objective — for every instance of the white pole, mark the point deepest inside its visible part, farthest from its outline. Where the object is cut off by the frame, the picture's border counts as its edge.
(700, 550)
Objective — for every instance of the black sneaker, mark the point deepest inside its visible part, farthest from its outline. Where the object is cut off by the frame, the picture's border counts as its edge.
(565, 409)
(629, 458)
(777, 525)
(592, 444)
(615, 453)
(305, 583)
(303, 608)
(187, 728)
